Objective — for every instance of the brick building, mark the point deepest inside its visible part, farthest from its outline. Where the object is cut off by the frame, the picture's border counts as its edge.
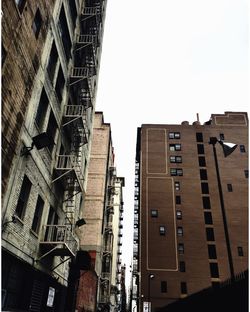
(101, 237)
(191, 208)
(50, 62)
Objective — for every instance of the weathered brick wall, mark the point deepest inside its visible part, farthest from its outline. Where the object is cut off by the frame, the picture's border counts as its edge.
(23, 53)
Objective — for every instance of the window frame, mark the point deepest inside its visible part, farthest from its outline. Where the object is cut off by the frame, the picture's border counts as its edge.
(152, 213)
(37, 218)
(162, 230)
(23, 197)
(242, 148)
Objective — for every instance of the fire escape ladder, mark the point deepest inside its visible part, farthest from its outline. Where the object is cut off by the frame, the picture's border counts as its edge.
(92, 12)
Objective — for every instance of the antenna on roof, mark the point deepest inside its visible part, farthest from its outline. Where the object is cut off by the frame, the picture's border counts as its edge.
(197, 116)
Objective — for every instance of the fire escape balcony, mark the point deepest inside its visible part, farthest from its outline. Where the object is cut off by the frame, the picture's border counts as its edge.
(77, 114)
(81, 73)
(58, 241)
(94, 13)
(68, 171)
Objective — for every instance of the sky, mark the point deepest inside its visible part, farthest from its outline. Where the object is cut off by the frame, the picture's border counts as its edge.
(164, 61)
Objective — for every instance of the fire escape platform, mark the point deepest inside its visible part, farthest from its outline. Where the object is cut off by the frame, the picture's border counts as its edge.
(58, 241)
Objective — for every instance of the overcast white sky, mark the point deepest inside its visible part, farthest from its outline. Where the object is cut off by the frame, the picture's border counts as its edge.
(163, 61)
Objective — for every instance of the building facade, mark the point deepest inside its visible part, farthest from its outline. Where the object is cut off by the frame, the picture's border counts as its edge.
(50, 62)
(101, 237)
(191, 208)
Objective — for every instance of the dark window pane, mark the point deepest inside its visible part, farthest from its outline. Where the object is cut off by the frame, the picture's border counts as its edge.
(183, 287)
(177, 135)
(203, 174)
(163, 286)
(173, 172)
(52, 62)
(208, 218)
(204, 188)
(154, 213)
(177, 147)
(60, 81)
(51, 129)
(73, 11)
(178, 200)
(64, 33)
(23, 197)
(200, 148)
(210, 234)
(20, 4)
(212, 252)
(171, 135)
(179, 172)
(214, 270)
(240, 251)
(229, 187)
(199, 137)
(37, 23)
(206, 202)
(42, 109)
(246, 173)
(182, 266)
(202, 161)
(38, 214)
(242, 148)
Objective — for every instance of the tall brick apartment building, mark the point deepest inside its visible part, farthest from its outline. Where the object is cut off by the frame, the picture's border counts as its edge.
(191, 208)
(50, 62)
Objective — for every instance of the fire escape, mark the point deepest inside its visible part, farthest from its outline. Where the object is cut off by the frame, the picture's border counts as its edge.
(59, 240)
(135, 269)
(105, 286)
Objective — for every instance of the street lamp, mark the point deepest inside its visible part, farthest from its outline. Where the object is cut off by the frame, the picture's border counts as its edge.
(228, 148)
(150, 277)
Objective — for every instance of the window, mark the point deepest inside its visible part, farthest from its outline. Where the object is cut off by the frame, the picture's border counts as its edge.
(204, 188)
(208, 218)
(174, 135)
(60, 81)
(183, 287)
(214, 270)
(242, 148)
(176, 172)
(222, 137)
(177, 186)
(23, 197)
(154, 213)
(212, 252)
(203, 174)
(73, 11)
(175, 159)
(240, 251)
(200, 149)
(202, 161)
(174, 147)
(37, 215)
(64, 33)
(37, 23)
(52, 220)
(229, 187)
(42, 110)
(210, 234)
(51, 129)
(206, 202)
(178, 200)
(53, 58)
(246, 173)
(162, 230)
(180, 231)
(182, 266)
(20, 4)
(181, 248)
(178, 214)
(163, 286)
(199, 137)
